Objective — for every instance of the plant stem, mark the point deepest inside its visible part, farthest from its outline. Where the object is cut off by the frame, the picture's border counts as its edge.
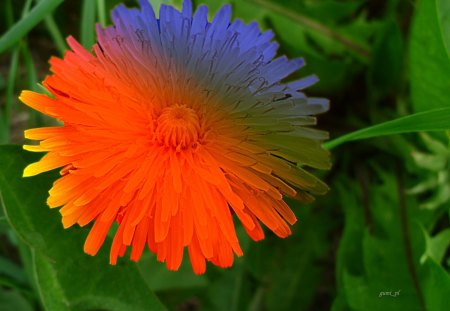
(101, 12)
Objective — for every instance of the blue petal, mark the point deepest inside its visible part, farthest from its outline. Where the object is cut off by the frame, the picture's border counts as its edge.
(187, 9)
(222, 18)
(200, 20)
(303, 83)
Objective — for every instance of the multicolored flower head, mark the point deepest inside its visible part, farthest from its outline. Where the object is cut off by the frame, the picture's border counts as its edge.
(172, 128)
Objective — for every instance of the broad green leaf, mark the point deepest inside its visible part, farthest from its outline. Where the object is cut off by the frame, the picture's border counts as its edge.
(364, 295)
(67, 278)
(434, 184)
(22, 27)
(158, 278)
(350, 245)
(229, 291)
(435, 285)
(51, 291)
(436, 146)
(437, 245)
(287, 265)
(429, 161)
(431, 120)
(391, 247)
(11, 300)
(429, 63)
(443, 11)
(11, 270)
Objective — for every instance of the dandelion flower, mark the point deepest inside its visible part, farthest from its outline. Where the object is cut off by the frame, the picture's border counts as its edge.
(172, 128)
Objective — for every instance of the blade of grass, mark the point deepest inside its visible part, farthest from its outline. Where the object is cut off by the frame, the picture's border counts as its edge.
(101, 12)
(32, 80)
(56, 35)
(26, 8)
(431, 120)
(23, 26)
(29, 67)
(4, 115)
(9, 101)
(12, 77)
(87, 31)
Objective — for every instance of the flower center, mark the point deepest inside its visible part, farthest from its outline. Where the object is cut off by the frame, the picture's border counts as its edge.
(178, 126)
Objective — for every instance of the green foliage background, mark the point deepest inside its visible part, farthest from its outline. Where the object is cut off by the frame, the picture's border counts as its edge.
(378, 241)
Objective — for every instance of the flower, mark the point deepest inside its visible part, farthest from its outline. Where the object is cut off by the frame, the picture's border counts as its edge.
(173, 125)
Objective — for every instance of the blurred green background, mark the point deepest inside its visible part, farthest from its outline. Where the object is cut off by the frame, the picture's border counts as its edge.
(378, 241)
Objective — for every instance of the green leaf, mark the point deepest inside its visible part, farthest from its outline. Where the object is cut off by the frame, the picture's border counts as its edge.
(22, 27)
(67, 277)
(284, 266)
(229, 291)
(436, 286)
(158, 278)
(438, 245)
(11, 300)
(9, 102)
(50, 289)
(12, 271)
(429, 63)
(382, 276)
(443, 11)
(350, 246)
(431, 120)
(87, 32)
(56, 34)
(101, 12)
(434, 184)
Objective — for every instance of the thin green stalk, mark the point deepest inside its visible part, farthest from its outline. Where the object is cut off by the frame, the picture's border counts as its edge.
(4, 115)
(257, 300)
(312, 24)
(23, 26)
(11, 81)
(237, 289)
(29, 67)
(101, 12)
(56, 35)
(26, 8)
(35, 117)
(87, 31)
(407, 240)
